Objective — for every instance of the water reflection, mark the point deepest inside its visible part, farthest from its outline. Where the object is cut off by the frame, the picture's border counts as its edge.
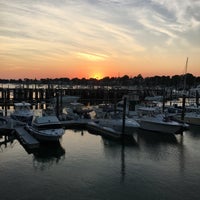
(47, 155)
(153, 138)
(194, 131)
(117, 149)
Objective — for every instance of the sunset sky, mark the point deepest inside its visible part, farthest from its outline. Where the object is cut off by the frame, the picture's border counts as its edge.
(98, 38)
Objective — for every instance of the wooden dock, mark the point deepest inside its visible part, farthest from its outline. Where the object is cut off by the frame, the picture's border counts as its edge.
(26, 139)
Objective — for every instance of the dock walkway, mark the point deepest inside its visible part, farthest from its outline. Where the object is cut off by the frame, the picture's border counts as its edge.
(26, 139)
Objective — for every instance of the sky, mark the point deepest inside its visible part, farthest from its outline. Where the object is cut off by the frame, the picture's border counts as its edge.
(98, 38)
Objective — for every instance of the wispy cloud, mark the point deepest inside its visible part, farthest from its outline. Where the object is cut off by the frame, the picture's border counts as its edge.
(96, 30)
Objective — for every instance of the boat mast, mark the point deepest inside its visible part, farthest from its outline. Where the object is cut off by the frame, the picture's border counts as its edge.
(184, 93)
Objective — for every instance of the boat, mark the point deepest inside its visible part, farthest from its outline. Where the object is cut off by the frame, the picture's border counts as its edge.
(191, 114)
(46, 128)
(150, 120)
(192, 118)
(115, 121)
(22, 112)
(95, 128)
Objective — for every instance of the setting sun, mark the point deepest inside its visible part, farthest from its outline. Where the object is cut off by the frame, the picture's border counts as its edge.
(97, 75)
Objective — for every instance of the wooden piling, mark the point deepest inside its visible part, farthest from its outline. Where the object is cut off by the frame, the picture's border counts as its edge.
(183, 108)
(124, 116)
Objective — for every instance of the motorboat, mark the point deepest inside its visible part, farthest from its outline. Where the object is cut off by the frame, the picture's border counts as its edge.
(191, 115)
(115, 121)
(192, 118)
(46, 128)
(150, 120)
(104, 131)
(22, 112)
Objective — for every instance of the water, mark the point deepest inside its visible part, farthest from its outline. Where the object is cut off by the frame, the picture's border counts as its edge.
(86, 166)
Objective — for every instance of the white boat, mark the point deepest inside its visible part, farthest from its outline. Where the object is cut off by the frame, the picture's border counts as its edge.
(117, 123)
(191, 114)
(192, 118)
(22, 112)
(46, 128)
(151, 121)
(104, 131)
(115, 120)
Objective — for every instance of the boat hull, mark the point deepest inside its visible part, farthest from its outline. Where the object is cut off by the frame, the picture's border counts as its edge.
(190, 118)
(43, 137)
(161, 127)
(130, 125)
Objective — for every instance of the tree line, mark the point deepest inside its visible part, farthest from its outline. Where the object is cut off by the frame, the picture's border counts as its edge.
(176, 81)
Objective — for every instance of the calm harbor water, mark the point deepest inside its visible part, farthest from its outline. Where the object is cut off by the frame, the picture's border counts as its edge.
(86, 166)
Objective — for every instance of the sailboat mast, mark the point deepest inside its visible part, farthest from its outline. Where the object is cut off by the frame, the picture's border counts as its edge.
(184, 93)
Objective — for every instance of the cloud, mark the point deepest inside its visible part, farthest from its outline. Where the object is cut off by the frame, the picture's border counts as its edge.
(91, 56)
(96, 29)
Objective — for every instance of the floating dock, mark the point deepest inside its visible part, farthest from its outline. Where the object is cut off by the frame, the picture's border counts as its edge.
(26, 139)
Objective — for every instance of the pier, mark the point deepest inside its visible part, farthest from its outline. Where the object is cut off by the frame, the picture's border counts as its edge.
(26, 139)
(93, 95)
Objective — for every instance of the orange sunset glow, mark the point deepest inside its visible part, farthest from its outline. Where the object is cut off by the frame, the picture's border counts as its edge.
(50, 39)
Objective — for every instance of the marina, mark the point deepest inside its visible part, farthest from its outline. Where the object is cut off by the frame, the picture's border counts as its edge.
(99, 100)
(74, 153)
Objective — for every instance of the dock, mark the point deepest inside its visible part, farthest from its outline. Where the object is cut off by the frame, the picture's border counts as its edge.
(26, 139)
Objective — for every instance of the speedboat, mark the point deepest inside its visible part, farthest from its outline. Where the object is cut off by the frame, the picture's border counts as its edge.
(22, 112)
(151, 121)
(192, 118)
(115, 121)
(104, 131)
(117, 124)
(191, 115)
(46, 128)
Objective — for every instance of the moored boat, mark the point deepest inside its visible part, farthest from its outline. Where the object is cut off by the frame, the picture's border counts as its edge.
(162, 123)
(192, 118)
(46, 128)
(22, 112)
